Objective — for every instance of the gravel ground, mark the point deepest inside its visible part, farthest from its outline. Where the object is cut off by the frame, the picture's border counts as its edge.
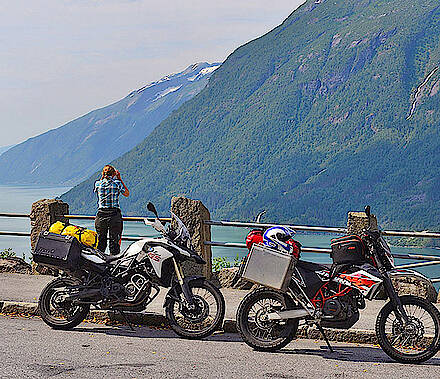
(30, 349)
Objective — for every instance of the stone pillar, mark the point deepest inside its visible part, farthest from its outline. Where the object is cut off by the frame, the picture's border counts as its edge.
(193, 213)
(358, 221)
(43, 214)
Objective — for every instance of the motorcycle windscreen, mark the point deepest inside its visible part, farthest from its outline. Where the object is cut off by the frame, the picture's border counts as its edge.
(181, 231)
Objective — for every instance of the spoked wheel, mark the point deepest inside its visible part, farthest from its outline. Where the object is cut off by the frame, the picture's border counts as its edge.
(254, 325)
(412, 342)
(203, 317)
(55, 310)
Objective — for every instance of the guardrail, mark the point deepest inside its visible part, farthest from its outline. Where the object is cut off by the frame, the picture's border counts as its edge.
(76, 217)
(427, 260)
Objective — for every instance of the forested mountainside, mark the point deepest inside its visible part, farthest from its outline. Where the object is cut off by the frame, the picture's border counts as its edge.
(71, 153)
(337, 107)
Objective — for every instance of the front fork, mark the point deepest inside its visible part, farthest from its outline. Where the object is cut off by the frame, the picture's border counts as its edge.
(399, 311)
(184, 284)
(394, 298)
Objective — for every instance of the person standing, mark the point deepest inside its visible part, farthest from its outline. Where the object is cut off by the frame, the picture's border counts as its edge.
(109, 218)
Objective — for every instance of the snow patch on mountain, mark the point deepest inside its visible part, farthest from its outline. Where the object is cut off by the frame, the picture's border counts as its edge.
(195, 70)
(140, 90)
(166, 92)
(203, 72)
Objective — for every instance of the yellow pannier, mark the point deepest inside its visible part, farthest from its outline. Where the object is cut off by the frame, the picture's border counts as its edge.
(85, 236)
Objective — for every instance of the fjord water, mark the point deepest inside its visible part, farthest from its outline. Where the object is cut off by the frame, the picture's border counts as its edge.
(18, 199)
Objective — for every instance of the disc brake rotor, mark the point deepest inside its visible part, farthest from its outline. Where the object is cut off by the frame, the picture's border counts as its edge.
(411, 332)
(198, 312)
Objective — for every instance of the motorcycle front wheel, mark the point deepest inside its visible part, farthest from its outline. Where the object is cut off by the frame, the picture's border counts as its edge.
(414, 341)
(200, 319)
(55, 310)
(254, 326)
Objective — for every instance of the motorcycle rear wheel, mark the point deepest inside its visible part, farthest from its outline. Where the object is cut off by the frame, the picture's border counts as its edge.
(56, 312)
(415, 342)
(254, 327)
(202, 320)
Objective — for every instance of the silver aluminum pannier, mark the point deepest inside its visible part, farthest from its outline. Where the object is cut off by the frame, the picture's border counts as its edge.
(269, 267)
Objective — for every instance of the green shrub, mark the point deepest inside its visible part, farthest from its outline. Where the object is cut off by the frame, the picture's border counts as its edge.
(7, 253)
(219, 263)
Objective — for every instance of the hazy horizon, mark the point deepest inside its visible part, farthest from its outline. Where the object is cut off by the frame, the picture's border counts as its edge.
(63, 59)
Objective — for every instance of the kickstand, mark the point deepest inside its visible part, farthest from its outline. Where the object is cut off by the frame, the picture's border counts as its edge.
(125, 319)
(325, 337)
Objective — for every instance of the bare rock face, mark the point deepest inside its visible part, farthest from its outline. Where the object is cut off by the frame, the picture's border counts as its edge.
(15, 265)
(193, 213)
(226, 276)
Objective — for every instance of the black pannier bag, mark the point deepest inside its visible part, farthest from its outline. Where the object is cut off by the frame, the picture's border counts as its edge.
(57, 251)
(348, 249)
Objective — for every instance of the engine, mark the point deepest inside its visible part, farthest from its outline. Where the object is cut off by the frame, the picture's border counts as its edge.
(341, 312)
(338, 310)
(130, 294)
(135, 286)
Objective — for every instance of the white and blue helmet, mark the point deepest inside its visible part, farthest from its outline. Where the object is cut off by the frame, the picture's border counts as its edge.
(277, 237)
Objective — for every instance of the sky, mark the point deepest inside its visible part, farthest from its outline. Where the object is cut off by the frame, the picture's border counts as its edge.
(63, 58)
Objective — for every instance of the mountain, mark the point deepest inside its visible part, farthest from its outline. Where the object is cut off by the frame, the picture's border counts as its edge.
(5, 148)
(337, 107)
(71, 153)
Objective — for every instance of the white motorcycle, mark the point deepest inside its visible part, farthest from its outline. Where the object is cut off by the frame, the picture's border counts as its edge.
(129, 281)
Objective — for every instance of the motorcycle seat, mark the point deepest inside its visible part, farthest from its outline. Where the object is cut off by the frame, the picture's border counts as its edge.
(100, 255)
(112, 258)
(311, 266)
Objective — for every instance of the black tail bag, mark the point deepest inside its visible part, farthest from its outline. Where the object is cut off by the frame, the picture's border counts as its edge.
(348, 249)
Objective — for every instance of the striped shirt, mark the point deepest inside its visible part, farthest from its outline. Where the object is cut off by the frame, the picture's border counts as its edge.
(108, 191)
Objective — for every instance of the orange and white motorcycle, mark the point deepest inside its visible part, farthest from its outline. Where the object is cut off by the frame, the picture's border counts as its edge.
(407, 327)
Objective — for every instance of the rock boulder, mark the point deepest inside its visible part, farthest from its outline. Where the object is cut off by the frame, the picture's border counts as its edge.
(412, 286)
(193, 214)
(15, 265)
(226, 276)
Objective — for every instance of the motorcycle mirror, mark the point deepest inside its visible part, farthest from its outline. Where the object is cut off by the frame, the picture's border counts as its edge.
(368, 213)
(152, 208)
(259, 216)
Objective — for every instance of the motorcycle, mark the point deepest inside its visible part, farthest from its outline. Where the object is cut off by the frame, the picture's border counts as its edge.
(131, 280)
(407, 327)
